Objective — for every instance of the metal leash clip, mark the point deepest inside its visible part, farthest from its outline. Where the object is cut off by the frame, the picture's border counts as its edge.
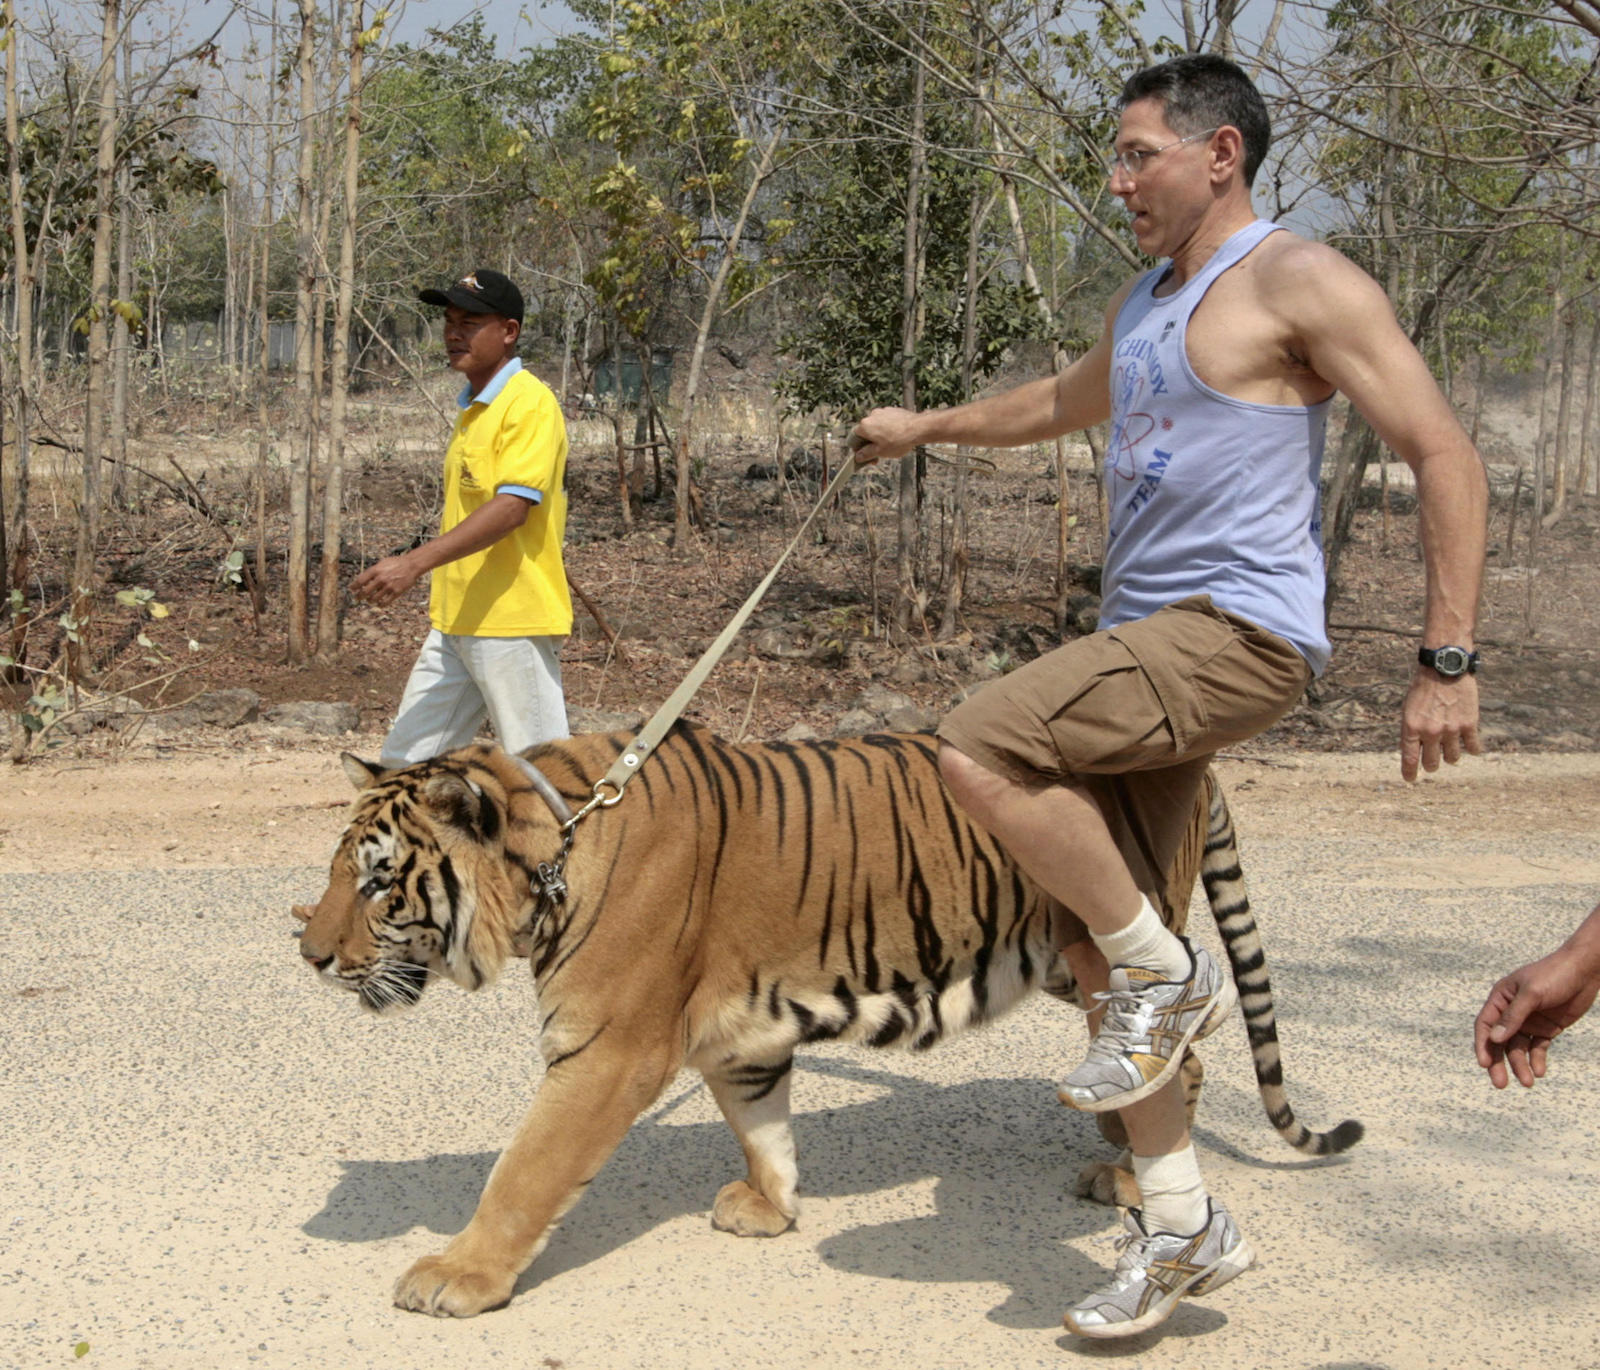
(551, 884)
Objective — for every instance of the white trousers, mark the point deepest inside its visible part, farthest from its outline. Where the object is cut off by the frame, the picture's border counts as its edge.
(459, 681)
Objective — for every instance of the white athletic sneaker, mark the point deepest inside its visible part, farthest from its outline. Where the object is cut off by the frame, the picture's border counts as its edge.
(1148, 1023)
(1156, 1269)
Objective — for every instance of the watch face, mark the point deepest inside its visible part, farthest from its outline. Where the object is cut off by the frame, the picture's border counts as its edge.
(1450, 661)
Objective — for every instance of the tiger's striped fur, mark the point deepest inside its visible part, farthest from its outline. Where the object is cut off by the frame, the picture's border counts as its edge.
(738, 902)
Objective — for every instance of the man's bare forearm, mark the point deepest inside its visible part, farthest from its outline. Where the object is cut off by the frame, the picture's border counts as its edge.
(1033, 412)
(483, 527)
(1584, 944)
(1027, 414)
(386, 580)
(1452, 496)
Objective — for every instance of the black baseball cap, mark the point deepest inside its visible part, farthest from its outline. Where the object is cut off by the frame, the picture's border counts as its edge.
(484, 291)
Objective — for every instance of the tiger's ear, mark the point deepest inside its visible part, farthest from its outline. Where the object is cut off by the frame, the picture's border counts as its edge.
(361, 773)
(455, 800)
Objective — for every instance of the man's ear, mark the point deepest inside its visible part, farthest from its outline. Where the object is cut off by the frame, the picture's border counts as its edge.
(1227, 153)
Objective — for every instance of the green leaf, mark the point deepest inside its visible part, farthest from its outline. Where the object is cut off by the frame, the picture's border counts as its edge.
(81, 1350)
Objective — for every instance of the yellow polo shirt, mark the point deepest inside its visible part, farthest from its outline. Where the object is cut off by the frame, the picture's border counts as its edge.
(509, 436)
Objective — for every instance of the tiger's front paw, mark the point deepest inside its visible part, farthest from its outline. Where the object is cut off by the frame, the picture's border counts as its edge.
(1105, 1183)
(746, 1212)
(449, 1288)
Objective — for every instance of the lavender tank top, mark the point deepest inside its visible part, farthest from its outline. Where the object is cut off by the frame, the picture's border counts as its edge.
(1208, 494)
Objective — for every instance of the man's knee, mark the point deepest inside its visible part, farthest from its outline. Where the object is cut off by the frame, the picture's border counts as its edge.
(972, 785)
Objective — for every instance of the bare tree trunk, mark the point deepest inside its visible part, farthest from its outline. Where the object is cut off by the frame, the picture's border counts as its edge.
(1359, 445)
(1591, 394)
(1267, 48)
(269, 216)
(333, 492)
(228, 348)
(5, 590)
(1541, 447)
(683, 495)
(319, 298)
(1096, 437)
(708, 314)
(327, 167)
(1223, 44)
(910, 510)
(1560, 456)
(1047, 311)
(566, 344)
(624, 487)
(245, 292)
(94, 416)
(651, 435)
(304, 319)
(956, 570)
(1058, 364)
(14, 555)
(1479, 384)
(1357, 448)
(121, 339)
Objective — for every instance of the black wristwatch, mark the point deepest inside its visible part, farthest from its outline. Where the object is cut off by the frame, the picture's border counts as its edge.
(1450, 662)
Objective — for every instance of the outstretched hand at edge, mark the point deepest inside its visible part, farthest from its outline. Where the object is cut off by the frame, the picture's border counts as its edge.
(1529, 1008)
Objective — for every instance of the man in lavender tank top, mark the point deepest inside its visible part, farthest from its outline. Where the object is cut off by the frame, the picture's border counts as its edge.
(1216, 371)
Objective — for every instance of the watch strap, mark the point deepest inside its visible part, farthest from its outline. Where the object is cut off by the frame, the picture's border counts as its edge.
(1429, 656)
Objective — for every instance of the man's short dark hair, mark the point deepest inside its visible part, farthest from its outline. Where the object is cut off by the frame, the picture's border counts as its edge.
(1203, 91)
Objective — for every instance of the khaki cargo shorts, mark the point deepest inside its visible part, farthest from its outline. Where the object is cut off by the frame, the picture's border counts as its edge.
(1134, 715)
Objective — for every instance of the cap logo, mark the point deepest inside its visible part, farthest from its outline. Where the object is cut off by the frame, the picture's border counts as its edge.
(471, 282)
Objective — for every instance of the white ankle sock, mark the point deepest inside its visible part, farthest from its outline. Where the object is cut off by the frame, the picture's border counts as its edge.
(1146, 943)
(1172, 1196)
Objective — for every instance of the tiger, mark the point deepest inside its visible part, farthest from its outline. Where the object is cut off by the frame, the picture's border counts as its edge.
(734, 903)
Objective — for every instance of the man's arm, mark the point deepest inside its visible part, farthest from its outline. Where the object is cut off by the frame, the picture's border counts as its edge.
(385, 581)
(1352, 340)
(1529, 1008)
(1078, 398)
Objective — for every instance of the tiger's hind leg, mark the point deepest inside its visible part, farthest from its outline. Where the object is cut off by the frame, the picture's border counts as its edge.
(1112, 1182)
(754, 1098)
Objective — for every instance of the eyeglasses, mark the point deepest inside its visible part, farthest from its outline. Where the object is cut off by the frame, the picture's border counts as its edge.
(1132, 161)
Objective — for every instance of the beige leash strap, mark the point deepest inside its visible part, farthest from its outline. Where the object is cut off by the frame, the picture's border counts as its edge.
(649, 738)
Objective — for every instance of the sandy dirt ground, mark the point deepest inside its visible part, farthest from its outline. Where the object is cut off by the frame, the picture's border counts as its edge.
(211, 1161)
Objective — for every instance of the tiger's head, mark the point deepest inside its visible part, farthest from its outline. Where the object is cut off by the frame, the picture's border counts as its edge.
(427, 879)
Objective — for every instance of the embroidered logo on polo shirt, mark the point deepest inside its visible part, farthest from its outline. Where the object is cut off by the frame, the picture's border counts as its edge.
(467, 479)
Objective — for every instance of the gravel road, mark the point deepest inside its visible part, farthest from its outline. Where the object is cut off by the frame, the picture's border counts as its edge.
(212, 1161)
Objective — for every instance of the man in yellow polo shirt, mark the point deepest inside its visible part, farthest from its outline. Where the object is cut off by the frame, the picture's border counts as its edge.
(499, 604)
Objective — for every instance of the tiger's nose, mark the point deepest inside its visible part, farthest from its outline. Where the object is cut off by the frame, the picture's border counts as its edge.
(314, 958)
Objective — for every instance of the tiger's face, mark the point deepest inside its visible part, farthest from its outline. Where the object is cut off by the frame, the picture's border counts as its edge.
(419, 885)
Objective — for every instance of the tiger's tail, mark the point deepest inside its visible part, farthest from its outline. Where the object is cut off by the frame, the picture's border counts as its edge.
(1230, 906)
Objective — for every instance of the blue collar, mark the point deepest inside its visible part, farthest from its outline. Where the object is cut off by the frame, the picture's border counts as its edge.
(490, 392)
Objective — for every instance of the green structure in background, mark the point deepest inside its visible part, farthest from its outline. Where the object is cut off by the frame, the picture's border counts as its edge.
(632, 376)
